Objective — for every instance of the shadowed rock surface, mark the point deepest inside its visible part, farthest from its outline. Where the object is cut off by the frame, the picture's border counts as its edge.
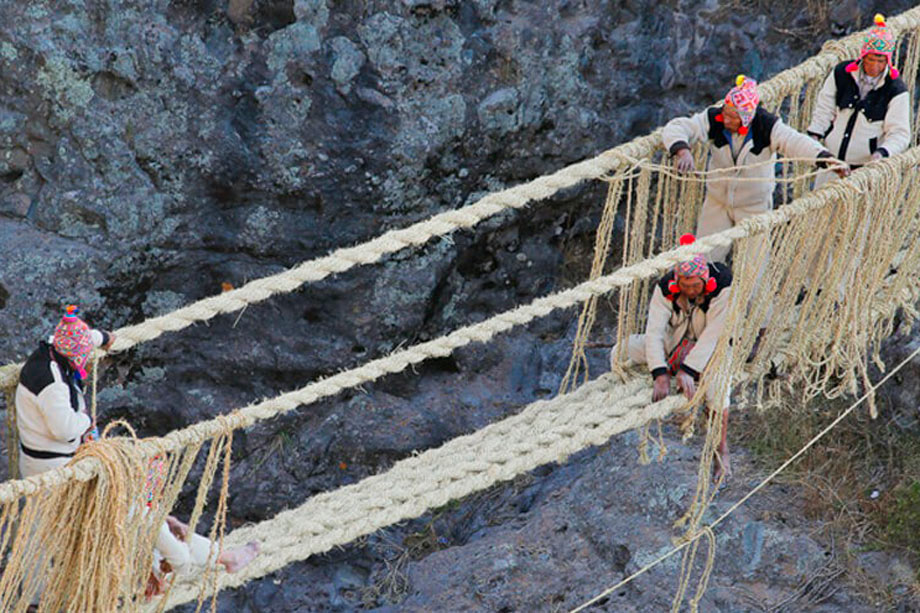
(151, 151)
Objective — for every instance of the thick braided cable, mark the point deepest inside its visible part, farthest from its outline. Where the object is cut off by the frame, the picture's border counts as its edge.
(545, 431)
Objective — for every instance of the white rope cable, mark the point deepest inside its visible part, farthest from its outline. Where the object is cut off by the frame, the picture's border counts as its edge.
(545, 431)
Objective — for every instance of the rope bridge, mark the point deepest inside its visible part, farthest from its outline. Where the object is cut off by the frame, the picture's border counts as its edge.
(824, 338)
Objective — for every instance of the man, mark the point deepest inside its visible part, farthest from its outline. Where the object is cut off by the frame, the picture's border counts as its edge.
(686, 317)
(50, 408)
(743, 139)
(179, 551)
(176, 551)
(863, 109)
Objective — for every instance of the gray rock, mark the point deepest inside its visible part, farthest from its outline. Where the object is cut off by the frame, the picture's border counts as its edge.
(347, 62)
(499, 111)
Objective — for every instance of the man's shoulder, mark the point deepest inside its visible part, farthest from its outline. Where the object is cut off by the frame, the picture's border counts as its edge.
(895, 87)
(841, 67)
(39, 370)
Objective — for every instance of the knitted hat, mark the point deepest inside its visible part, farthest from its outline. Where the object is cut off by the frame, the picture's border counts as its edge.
(879, 40)
(73, 340)
(744, 98)
(697, 266)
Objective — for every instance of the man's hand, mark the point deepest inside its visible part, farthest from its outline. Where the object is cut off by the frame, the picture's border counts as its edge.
(662, 387)
(683, 161)
(178, 529)
(686, 383)
(877, 155)
(841, 169)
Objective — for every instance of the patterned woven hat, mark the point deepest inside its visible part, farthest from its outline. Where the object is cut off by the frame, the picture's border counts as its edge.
(73, 340)
(879, 40)
(697, 266)
(744, 97)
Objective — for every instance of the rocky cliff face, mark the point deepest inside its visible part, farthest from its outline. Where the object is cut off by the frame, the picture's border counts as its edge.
(152, 151)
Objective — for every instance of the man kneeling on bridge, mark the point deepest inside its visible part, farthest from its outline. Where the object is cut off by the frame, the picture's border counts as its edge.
(686, 317)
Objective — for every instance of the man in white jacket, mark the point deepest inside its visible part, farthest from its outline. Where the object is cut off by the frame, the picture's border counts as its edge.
(686, 318)
(179, 551)
(51, 413)
(743, 139)
(863, 109)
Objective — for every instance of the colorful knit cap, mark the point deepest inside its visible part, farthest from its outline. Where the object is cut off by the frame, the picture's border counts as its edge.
(697, 266)
(744, 97)
(880, 40)
(72, 339)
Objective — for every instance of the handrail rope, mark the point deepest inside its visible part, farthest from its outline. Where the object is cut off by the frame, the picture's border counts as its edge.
(589, 415)
(419, 233)
(756, 489)
(443, 346)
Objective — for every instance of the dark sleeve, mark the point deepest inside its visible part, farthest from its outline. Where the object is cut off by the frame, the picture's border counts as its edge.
(822, 159)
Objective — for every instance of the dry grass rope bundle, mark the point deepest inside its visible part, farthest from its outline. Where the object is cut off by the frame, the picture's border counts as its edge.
(89, 545)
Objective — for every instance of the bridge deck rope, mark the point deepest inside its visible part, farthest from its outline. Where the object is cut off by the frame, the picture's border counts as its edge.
(545, 431)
